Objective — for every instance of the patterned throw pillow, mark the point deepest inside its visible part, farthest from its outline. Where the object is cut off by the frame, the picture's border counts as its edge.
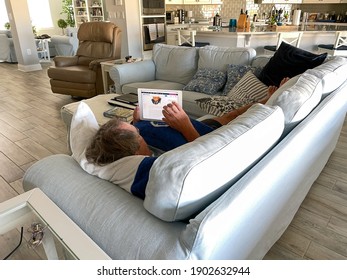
(248, 90)
(209, 81)
(236, 72)
(217, 105)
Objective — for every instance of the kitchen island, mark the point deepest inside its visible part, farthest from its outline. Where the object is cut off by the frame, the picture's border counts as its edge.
(314, 33)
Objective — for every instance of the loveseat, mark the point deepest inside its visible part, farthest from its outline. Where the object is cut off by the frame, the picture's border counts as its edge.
(229, 194)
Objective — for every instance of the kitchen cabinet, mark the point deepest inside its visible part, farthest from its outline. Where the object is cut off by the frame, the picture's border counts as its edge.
(287, 1)
(174, 2)
(321, 1)
(193, 2)
(263, 1)
(279, 1)
(88, 10)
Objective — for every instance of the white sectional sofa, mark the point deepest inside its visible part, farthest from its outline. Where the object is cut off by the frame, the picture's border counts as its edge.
(227, 195)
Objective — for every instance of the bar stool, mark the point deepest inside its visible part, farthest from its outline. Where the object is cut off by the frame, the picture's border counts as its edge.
(187, 38)
(339, 48)
(292, 38)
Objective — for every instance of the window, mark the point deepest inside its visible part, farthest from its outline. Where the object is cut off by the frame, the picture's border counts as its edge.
(40, 13)
(3, 14)
(39, 10)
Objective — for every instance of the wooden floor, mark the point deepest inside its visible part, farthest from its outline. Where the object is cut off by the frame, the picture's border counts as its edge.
(31, 129)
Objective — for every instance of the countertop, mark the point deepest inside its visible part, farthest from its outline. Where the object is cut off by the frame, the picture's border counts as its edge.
(261, 28)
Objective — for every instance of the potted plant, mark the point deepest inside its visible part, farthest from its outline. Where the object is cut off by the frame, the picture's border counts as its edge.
(68, 10)
(7, 26)
(62, 24)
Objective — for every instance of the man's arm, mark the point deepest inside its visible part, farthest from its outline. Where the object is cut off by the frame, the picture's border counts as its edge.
(177, 118)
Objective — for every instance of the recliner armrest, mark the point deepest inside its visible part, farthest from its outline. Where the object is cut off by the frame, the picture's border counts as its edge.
(93, 65)
(63, 61)
(142, 71)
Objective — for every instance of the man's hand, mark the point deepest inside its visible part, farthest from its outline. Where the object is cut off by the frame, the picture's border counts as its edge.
(177, 118)
(136, 115)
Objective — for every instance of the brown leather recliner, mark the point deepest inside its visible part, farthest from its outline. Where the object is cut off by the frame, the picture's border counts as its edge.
(80, 75)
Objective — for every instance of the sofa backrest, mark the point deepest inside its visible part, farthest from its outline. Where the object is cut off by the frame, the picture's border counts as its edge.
(332, 73)
(219, 57)
(179, 64)
(185, 180)
(174, 63)
(302, 93)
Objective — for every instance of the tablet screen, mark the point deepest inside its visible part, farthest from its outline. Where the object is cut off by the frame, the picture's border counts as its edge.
(152, 101)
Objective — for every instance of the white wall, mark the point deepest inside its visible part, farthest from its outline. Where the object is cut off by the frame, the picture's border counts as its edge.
(127, 17)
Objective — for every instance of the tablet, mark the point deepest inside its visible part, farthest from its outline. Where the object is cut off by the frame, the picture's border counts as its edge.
(152, 101)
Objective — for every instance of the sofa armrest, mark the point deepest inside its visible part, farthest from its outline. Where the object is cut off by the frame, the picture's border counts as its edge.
(63, 61)
(142, 71)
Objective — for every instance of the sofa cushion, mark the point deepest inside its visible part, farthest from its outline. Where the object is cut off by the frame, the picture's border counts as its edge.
(155, 84)
(333, 73)
(175, 64)
(185, 180)
(207, 80)
(235, 73)
(219, 57)
(297, 98)
(289, 61)
(248, 90)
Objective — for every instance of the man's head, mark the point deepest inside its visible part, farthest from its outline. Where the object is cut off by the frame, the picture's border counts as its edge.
(114, 140)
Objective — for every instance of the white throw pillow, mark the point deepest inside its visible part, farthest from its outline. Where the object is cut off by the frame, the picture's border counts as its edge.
(297, 98)
(83, 128)
(185, 180)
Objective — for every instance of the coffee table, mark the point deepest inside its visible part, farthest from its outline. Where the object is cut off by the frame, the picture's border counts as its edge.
(41, 230)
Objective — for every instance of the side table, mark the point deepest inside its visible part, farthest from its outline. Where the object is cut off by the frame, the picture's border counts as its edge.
(43, 50)
(107, 65)
(33, 219)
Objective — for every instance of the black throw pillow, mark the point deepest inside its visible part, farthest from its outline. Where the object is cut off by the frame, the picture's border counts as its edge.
(289, 61)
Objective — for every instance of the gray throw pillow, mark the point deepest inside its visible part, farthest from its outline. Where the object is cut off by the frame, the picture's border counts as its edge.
(206, 80)
(235, 73)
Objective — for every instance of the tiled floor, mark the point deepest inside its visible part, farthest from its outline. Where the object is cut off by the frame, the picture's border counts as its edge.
(31, 128)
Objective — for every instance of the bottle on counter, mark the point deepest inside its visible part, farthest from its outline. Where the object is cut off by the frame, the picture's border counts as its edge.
(217, 20)
(241, 22)
(248, 22)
